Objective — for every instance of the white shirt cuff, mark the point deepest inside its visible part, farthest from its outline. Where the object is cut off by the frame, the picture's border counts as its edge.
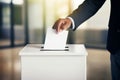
(73, 23)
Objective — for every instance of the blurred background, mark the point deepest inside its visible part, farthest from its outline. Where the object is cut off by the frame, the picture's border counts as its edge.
(25, 21)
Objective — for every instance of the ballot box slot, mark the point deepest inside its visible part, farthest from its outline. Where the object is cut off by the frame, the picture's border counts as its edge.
(66, 49)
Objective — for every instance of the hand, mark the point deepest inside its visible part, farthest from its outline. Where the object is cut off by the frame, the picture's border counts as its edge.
(62, 24)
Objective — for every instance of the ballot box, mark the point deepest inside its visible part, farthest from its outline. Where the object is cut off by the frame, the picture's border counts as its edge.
(38, 63)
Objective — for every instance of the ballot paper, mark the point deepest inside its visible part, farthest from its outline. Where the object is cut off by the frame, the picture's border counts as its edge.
(54, 40)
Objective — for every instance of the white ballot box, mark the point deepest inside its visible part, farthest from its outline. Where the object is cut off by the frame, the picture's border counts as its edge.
(40, 64)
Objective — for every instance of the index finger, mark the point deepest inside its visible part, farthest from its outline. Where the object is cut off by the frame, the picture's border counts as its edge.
(58, 28)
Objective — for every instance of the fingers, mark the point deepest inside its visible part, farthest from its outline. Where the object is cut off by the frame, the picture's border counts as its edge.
(62, 24)
(58, 25)
(55, 24)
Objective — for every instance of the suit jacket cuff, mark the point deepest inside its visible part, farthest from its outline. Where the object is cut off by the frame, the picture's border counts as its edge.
(73, 23)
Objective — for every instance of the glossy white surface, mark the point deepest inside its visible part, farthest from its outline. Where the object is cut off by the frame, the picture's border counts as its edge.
(53, 65)
(35, 49)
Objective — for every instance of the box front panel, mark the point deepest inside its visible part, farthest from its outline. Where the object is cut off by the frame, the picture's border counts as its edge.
(53, 67)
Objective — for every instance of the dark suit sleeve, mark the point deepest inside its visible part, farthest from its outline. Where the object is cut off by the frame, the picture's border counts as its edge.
(87, 9)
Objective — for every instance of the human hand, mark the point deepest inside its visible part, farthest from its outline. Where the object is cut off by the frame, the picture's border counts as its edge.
(62, 24)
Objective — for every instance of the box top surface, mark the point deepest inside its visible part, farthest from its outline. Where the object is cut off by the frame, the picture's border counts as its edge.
(36, 49)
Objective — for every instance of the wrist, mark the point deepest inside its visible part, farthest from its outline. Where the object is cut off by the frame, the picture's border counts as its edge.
(72, 26)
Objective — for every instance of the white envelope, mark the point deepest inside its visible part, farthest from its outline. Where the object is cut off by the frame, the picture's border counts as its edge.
(55, 41)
